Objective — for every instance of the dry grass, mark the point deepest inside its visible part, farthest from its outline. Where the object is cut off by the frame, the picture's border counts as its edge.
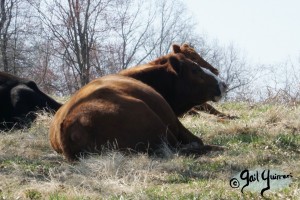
(266, 136)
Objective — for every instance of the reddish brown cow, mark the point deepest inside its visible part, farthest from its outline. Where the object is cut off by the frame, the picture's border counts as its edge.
(129, 114)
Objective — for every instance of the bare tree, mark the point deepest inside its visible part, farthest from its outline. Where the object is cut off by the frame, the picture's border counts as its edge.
(234, 68)
(142, 31)
(131, 26)
(76, 25)
(5, 22)
(173, 24)
(281, 83)
(17, 29)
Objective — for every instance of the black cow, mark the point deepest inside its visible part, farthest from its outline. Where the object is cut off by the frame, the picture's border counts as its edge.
(19, 100)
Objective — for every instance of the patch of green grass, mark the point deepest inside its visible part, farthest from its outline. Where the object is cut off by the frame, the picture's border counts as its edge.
(178, 178)
(241, 138)
(246, 138)
(26, 163)
(201, 190)
(288, 141)
(204, 165)
(263, 108)
(233, 106)
(157, 193)
(33, 194)
(58, 196)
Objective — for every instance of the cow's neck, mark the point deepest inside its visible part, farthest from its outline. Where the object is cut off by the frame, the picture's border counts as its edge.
(164, 82)
(159, 78)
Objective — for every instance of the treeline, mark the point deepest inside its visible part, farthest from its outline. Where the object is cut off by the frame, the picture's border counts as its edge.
(63, 44)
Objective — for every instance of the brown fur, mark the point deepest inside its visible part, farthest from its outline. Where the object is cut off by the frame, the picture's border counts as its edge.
(129, 114)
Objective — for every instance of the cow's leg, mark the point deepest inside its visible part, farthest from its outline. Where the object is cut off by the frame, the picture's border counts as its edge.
(186, 137)
(191, 144)
(210, 110)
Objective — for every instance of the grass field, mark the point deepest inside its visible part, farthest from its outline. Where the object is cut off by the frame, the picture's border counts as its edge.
(265, 136)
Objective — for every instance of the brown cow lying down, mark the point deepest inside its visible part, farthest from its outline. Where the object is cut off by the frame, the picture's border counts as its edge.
(20, 98)
(128, 114)
(190, 53)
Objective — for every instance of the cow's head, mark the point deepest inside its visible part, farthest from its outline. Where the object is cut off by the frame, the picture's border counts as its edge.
(194, 84)
(190, 53)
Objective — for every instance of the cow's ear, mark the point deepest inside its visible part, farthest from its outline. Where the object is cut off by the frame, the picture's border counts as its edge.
(176, 48)
(176, 63)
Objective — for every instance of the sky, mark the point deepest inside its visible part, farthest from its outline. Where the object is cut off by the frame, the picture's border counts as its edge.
(267, 31)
